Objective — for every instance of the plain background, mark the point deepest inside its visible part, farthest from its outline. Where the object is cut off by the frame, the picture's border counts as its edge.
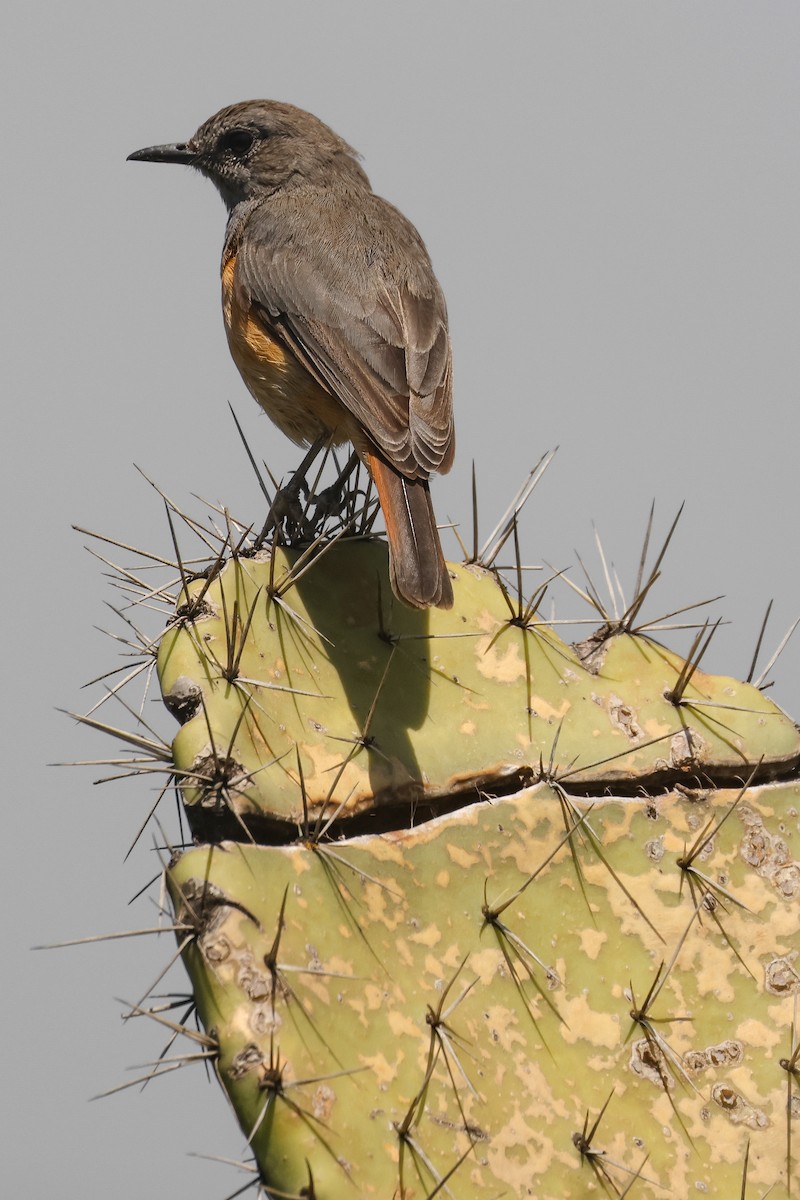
(609, 192)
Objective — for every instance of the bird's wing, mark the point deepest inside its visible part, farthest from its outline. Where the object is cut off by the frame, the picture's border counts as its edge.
(353, 295)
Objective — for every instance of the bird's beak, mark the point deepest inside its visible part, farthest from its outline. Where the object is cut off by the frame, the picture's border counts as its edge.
(178, 152)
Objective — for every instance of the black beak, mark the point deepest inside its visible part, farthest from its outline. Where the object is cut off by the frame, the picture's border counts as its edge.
(178, 152)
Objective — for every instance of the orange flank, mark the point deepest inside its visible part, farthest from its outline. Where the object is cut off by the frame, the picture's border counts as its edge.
(300, 407)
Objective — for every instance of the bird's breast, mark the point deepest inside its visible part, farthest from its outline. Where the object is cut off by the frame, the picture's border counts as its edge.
(290, 396)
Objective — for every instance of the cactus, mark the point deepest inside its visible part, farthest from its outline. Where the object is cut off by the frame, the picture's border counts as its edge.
(471, 911)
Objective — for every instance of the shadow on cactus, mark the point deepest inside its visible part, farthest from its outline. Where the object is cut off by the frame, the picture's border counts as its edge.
(467, 910)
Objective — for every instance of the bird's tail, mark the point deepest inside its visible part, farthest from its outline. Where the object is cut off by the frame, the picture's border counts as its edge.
(416, 564)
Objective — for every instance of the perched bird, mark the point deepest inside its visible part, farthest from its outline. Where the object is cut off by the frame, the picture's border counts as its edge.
(333, 313)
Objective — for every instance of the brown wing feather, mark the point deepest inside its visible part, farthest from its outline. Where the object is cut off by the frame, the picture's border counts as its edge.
(354, 296)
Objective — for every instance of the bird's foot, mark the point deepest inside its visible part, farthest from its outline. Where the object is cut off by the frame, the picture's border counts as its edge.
(288, 511)
(333, 502)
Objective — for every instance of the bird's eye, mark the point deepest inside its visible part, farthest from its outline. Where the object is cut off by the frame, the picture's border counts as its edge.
(237, 141)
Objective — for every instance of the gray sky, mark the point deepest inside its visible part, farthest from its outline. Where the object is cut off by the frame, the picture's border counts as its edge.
(609, 193)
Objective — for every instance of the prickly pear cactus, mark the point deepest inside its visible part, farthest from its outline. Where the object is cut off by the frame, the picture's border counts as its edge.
(471, 911)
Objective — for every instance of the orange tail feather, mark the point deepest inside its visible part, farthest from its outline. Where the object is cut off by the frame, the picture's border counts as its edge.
(416, 564)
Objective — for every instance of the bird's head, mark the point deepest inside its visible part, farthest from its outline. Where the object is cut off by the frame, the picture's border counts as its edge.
(259, 146)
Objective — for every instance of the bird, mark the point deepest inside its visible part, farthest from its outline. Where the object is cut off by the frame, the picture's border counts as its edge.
(333, 313)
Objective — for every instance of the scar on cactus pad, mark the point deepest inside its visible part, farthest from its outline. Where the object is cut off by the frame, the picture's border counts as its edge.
(467, 910)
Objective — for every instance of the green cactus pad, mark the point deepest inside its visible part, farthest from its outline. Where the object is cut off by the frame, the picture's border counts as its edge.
(308, 696)
(447, 1010)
